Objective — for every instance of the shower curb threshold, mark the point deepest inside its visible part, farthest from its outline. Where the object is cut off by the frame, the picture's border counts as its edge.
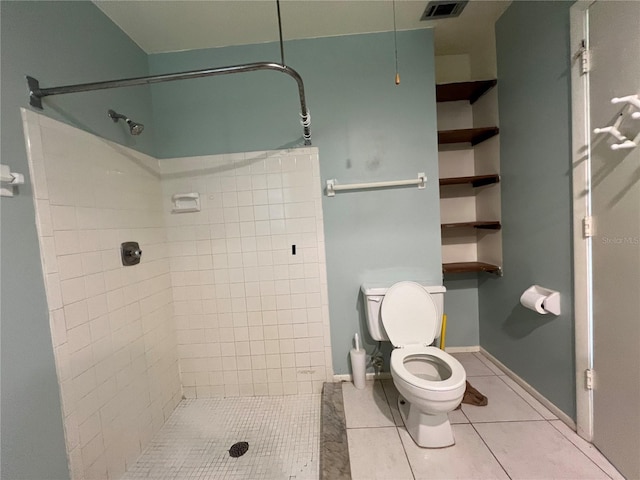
(334, 448)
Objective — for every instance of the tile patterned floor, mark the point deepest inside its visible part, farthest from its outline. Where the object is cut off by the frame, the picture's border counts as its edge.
(282, 432)
(514, 436)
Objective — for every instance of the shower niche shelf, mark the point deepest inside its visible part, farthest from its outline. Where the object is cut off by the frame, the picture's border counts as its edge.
(185, 202)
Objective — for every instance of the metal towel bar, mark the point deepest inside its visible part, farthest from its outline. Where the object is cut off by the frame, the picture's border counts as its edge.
(333, 187)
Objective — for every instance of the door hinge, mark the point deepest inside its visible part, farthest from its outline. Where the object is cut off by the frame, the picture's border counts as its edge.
(588, 379)
(582, 55)
(587, 227)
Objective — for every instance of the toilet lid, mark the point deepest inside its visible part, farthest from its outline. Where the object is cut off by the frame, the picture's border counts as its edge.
(409, 314)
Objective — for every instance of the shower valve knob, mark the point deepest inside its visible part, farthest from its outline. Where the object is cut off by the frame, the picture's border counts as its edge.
(131, 253)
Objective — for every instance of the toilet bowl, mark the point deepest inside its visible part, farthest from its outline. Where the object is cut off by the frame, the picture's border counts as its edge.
(431, 382)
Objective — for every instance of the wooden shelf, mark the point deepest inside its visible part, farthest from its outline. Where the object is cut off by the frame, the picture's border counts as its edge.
(489, 225)
(475, 181)
(466, 267)
(467, 135)
(472, 91)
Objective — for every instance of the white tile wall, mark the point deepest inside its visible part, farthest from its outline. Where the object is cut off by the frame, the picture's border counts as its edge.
(219, 294)
(112, 326)
(251, 317)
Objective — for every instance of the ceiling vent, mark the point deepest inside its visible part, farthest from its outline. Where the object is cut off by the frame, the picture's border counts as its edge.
(443, 9)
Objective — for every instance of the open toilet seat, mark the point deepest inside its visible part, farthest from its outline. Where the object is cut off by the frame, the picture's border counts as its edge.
(430, 382)
(454, 381)
(410, 318)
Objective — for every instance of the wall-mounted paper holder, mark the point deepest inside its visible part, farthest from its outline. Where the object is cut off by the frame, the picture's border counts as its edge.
(541, 300)
(186, 202)
(9, 180)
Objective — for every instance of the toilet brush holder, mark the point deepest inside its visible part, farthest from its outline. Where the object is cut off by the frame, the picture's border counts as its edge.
(358, 367)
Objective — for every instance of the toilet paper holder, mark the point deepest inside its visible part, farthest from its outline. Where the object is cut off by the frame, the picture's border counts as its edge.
(541, 300)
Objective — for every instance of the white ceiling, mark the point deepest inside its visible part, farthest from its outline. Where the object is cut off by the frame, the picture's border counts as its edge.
(165, 26)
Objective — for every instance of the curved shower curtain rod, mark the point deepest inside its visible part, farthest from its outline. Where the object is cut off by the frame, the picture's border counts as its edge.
(36, 93)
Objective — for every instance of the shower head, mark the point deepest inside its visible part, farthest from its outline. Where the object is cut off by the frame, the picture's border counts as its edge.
(134, 128)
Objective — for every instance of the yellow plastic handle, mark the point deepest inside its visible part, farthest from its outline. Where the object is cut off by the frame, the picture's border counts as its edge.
(443, 333)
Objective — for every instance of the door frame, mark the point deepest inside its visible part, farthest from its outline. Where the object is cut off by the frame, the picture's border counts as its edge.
(581, 176)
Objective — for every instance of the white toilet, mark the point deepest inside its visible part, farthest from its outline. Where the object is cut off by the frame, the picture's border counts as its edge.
(431, 382)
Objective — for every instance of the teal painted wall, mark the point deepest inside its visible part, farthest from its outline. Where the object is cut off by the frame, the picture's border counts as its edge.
(533, 55)
(461, 308)
(58, 43)
(366, 128)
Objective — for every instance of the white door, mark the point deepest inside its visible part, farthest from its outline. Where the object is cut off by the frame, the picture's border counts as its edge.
(614, 47)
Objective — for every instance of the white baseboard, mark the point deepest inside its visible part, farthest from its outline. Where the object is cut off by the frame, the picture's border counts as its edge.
(531, 391)
(472, 348)
(370, 376)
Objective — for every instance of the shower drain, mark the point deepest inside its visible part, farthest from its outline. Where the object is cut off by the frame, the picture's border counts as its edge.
(238, 449)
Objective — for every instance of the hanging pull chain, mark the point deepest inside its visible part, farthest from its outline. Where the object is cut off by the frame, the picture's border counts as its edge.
(395, 42)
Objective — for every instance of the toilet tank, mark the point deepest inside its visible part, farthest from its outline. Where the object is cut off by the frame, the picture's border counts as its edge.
(373, 294)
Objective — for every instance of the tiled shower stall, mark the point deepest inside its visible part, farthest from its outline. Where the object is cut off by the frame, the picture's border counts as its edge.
(227, 301)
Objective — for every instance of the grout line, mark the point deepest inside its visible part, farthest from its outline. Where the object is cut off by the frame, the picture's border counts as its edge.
(552, 426)
(377, 426)
(559, 414)
(514, 391)
(583, 452)
(488, 363)
(509, 421)
(490, 451)
(406, 455)
(386, 396)
(523, 398)
(465, 415)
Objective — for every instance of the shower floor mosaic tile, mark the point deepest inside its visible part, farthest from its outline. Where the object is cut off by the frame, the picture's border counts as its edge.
(282, 432)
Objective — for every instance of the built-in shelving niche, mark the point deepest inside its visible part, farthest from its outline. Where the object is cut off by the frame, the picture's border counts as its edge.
(470, 91)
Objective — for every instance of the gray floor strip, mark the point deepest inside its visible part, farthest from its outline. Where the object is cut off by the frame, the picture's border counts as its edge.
(334, 449)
